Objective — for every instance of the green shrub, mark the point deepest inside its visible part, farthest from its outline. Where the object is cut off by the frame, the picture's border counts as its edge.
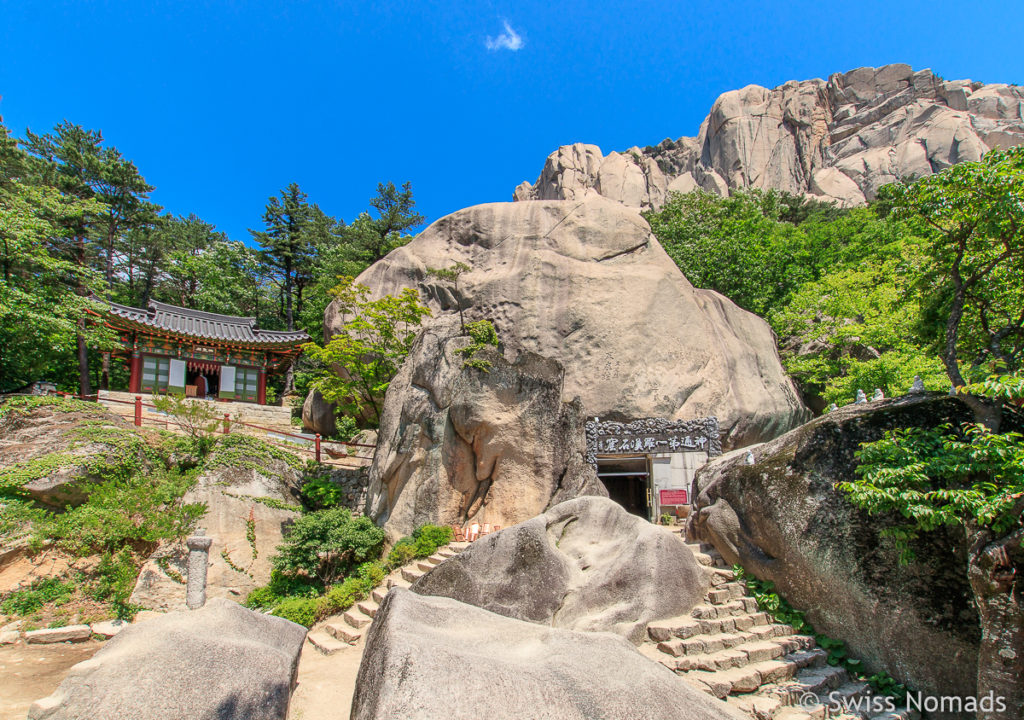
(144, 508)
(402, 553)
(39, 593)
(483, 333)
(345, 428)
(116, 574)
(320, 493)
(353, 589)
(438, 535)
(280, 588)
(299, 610)
(328, 544)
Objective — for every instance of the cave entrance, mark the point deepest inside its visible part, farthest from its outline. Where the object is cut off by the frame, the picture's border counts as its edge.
(628, 481)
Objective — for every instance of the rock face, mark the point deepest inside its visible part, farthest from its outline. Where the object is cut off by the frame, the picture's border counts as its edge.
(77, 444)
(222, 662)
(235, 489)
(783, 520)
(838, 140)
(585, 283)
(495, 667)
(457, 443)
(318, 415)
(585, 564)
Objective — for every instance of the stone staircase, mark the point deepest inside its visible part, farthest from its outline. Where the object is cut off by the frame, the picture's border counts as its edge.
(726, 647)
(340, 631)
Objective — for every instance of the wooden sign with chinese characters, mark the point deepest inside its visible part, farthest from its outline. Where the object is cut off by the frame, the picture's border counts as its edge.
(673, 497)
(651, 436)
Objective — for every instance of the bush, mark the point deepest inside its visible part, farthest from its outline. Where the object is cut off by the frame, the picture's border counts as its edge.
(424, 542)
(280, 588)
(402, 553)
(344, 595)
(328, 544)
(320, 492)
(115, 579)
(144, 508)
(39, 593)
(299, 610)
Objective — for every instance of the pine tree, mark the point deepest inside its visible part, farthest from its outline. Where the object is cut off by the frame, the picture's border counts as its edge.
(285, 243)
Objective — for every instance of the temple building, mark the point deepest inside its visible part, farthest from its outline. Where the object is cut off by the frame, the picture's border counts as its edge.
(200, 354)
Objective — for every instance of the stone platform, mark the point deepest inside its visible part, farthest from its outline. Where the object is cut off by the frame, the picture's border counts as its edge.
(273, 417)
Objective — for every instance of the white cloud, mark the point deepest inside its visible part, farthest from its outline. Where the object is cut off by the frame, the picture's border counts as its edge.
(508, 40)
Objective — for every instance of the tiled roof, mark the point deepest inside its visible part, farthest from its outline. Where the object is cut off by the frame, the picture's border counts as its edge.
(209, 326)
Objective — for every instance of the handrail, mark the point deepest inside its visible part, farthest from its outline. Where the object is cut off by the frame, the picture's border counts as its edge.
(228, 421)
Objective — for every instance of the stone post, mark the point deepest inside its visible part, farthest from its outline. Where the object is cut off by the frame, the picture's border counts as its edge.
(198, 559)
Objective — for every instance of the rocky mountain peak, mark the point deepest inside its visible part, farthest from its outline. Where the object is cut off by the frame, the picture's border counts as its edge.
(837, 140)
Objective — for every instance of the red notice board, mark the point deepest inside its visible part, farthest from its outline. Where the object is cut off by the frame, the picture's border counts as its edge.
(674, 497)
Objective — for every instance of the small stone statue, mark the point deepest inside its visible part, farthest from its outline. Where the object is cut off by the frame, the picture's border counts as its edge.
(952, 391)
(198, 560)
(918, 387)
(861, 398)
(831, 407)
(879, 395)
(749, 459)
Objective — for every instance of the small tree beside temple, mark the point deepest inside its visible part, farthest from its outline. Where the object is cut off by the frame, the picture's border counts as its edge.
(360, 360)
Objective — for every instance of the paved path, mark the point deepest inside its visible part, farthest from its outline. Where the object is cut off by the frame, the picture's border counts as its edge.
(326, 683)
(31, 672)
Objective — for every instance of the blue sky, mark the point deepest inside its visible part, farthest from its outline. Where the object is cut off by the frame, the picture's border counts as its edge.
(222, 104)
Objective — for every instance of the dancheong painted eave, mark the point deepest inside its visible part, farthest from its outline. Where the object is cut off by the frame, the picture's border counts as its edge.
(185, 323)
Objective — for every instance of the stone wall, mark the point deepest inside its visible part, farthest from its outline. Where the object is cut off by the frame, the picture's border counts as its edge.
(275, 417)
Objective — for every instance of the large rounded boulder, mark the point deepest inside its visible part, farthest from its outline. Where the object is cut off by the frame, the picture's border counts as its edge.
(585, 564)
(493, 443)
(783, 520)
(585, 283)
(432, 657)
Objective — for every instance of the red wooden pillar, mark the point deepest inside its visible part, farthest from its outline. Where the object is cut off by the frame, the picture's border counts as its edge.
(261, 391)
(138, 411)
(318, 447)
(135, 379)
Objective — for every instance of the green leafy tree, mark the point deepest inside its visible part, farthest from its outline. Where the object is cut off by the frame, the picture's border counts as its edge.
(328, 544)
(77, 162)
(47, 283)
(735, 245)
(970, 478)
(360, 360)
(973, 217)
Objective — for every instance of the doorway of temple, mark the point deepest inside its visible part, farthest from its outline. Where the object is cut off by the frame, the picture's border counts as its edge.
(628, 481)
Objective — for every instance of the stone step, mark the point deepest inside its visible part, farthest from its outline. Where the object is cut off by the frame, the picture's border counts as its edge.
(817, 680)
(411, 574)
(340, 630)
(446, 553)
(704, 644)
(726, 592)
(424, 566)
(699, 546)
(379, 593)
(755, 652)
(368, 607)
(325, 643)
(739, 606)
(356, 618)
(398, 581)
(845, 697)
(752, 677)
(436, 559)
(686, 627)
(458, 546)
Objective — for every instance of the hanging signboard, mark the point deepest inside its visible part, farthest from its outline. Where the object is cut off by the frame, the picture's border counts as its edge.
(673, 497)
(651, 436)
